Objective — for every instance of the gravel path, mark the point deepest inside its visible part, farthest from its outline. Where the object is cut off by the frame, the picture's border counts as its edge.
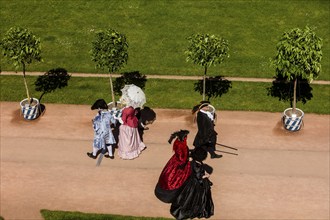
(322, 82)
(277, 175)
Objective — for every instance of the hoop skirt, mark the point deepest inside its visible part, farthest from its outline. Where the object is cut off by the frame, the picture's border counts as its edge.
(195, 199)
(175, 173)
(130, 145)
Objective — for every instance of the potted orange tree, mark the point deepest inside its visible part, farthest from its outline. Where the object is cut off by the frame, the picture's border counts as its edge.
(21, 47)
(299, 55)
(110, 51)
(207, 50)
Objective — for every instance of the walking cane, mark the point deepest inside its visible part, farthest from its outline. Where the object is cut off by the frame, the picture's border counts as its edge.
(227, 146)
(226, 152)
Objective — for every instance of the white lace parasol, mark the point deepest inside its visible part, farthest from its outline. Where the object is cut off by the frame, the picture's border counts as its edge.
(133, 95)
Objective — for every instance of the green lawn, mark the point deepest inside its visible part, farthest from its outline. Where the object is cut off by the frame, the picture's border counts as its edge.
(63, 215)
(157, 30)
(161, 93)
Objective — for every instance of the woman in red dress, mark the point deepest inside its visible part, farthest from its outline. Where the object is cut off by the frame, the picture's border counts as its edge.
(176, 171)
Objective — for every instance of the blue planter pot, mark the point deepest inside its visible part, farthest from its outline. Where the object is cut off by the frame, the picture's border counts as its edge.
(30, 111)
(293, 121)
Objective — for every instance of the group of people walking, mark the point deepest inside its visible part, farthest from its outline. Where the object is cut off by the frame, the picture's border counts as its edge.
(124, 132)
(184, 181)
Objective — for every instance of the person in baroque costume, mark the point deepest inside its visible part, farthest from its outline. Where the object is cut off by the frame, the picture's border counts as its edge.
(206, 136)
(103, 137)
(195, 199)
(176, 171)
(130, 145)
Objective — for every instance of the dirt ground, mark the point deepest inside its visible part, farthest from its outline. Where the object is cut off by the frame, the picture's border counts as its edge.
(277, 174)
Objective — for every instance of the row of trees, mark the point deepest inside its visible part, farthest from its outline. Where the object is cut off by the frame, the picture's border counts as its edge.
(298, 56)
(110, 51)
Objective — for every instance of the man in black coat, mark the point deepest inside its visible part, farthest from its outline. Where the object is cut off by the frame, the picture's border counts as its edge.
(206, 136)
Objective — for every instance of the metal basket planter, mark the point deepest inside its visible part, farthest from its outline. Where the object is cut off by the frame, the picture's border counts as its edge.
(293, 121)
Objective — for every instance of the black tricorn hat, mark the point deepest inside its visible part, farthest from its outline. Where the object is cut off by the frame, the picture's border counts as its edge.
(99, 104)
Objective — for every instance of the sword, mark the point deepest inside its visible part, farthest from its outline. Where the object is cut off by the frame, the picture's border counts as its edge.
(227, 146)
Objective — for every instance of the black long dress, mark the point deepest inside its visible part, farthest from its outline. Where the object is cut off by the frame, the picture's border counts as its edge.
(195, 199)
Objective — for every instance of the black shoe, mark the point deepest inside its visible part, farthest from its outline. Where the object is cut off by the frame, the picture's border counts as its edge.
(215, 156)
(91, 155)
(108, 156)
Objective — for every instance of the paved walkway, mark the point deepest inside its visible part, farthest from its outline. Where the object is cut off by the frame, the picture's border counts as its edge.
(321, 82)
(277, 174)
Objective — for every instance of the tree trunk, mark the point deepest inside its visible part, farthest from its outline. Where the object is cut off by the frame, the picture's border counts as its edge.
(41, 96)
(26, 86)
(294, 96)
(204, 82)
(111, 88)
